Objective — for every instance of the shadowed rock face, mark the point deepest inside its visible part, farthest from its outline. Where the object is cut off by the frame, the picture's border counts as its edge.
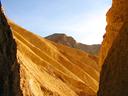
(71, 42)
(9, 69)
(62, 39)
(114, 74)
(114, 52)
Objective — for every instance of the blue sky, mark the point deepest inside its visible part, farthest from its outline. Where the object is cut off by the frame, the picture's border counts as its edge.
(82, 19)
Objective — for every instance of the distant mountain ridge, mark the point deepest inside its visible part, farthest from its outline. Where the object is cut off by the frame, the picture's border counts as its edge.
(71, 42)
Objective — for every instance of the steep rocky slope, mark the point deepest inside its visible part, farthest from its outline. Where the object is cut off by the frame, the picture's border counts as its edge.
(9, 68)
(71, 42)
(114, 52)
(33, 66)
(116, 17)
(50, 69)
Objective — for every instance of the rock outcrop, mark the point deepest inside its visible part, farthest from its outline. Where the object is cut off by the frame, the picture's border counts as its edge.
(62, 39)
(71, 42)
(114, 52)
(51, 69)
(116, 17)
(9, 68)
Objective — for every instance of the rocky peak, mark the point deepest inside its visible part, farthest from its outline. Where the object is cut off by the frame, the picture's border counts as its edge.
(63, 39)
(71, 42)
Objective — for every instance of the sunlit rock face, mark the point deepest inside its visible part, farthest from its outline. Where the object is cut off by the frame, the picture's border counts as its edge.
(9, 68)
(33, 66)
(116, 17)
(51, 69)
(114, 52)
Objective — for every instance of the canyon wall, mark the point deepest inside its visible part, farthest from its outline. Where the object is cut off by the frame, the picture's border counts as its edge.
(116, 17)
(114, 52)
(9, 69)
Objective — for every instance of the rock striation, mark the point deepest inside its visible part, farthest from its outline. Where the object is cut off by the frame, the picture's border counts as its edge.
(71, 42)
(114, 52)
(9, 68)
(51, 69)
(33, 66)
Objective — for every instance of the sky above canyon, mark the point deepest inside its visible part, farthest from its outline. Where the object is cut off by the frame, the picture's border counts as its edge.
(84, 20)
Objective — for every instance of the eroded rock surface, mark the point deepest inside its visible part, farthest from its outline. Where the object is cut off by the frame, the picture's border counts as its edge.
(114, 52)
(34, 66)
(51, 69)
(9, 69)
(116, 17)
